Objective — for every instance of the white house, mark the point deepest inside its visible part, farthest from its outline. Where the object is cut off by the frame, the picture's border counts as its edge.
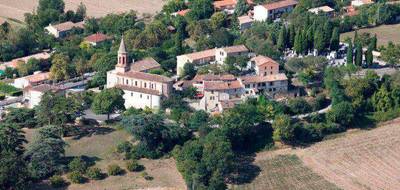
(31, 80)
(61, 30)
(217, 55)
(141, 89)
(33, 95)
(357, 3)
(273, 10)
(245, 22)
(324, 10)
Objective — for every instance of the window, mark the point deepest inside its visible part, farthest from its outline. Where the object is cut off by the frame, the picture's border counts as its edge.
(212, 91)
(140, 95)
(145, 84)
(148, 97)
(131, 93)
(271, 83)
(127, 81)
(135, 83)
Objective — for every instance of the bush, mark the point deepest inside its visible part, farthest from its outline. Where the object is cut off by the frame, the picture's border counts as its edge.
(146, 176)
(76, 177)
(57, 181)
(114, 170)
(16, 93)
(134, 166)
(299, 106)
(124, 147)
(2, 96)
(78, 165)
(94, 173)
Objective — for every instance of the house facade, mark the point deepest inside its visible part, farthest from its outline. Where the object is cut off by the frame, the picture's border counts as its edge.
(61, 30)
(31, 80)
(141, 89)
(273, 10)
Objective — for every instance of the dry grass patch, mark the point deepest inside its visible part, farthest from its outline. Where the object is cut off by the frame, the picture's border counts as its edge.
(284, 172)
(384, 33)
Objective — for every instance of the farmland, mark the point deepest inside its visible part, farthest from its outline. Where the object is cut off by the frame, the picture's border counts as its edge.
(356, 159)
(384, 33)
(95, 8)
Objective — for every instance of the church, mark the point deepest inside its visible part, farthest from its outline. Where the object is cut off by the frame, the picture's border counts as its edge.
(141, 89)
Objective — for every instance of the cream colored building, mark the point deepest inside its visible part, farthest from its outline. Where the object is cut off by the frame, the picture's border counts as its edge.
(217, 55)
(33, 95)
(31, 80)
(141, 89)
(216, 92)
(264, 66)
(273, 10)
(61, 30)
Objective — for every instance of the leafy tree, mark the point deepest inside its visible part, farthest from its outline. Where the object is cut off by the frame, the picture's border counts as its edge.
(198, 119)
(200, 9)
(241, 8)
(189, 71)
(80, 13)
(54, 109)
(341, 113)
(46, 152)
(319, 43)
(382, 100)
(21, 117)
(391, 54)
(298, 40)
(13, 172)
(374, 42)
(299, 106)
(108, 101)
(218, 20)
(283, 129)
(369, 57)
(334, 44)
(78, 165)
(61, 68)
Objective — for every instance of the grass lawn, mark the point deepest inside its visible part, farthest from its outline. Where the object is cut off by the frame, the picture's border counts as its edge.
(385, 33)
(101, 147)
(284, 172)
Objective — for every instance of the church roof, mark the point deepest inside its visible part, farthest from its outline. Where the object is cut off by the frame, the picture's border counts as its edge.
(122, 48)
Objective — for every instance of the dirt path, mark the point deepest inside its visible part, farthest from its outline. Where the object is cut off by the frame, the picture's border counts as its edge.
(95, 8)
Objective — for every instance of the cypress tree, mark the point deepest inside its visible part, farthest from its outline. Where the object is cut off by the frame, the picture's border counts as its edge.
(334, 45)
(359, 53)
(355, 37)
(298, 42)
(282, 39)
(304, 42)
(374, 42)
(319, 43)
(310, 39)
(292, 34)
(349, 55)
(369, 58)
(327, 33)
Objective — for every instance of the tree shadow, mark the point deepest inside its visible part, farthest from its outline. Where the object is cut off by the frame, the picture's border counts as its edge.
(90, 160)
(244, 170)
(43, 185)
(79, 132)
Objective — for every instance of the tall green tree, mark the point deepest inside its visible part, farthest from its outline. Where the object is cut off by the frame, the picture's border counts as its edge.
(108, 101)
(241, 8)
(61, 68)
(319, 40)
(369, 58)
(298, 40)
(334, 43)
(359, 55)
(349, 54)
(281, 44)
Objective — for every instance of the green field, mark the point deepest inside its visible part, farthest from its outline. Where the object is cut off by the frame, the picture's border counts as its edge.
(385, 33)
(284, 172)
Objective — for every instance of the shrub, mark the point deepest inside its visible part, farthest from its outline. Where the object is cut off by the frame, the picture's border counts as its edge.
(146, 176)
(299, 106)
(16, 93)
(114, 170)
(78, 164)
(2, 96)
(124, 147)
(134, 166)
(76, 177)
(57, 181)
(94, 173)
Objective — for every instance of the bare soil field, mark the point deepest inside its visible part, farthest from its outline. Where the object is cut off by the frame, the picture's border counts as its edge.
(384, 33)
(364, 160)
(95, 8)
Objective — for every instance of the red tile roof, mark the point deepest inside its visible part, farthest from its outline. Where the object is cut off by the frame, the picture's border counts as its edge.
(224, 3)
(98, 37)
(259, 79)
(145, 64)
(222, 85)
(182, 12)
(39, 77)
(262, 60)
(212, 77)
(201, 54)
(236, 49)
(280, 4)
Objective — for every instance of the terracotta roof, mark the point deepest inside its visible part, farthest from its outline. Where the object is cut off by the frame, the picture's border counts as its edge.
(146, 76)
(201, 54)
(137, 89)
(39, 77)
(98, 37)
(14, 63)
(235, 49)
(351, 11)
(182, 12)
(222, 85)
(261, 60)
(212, 77)
(245, 19)
(145, 64)
(43, 88)
(224, 3)
(65, 26)
(259, 79)
(2, 21)
(280, 4)
(325, 9)
(228, 104)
